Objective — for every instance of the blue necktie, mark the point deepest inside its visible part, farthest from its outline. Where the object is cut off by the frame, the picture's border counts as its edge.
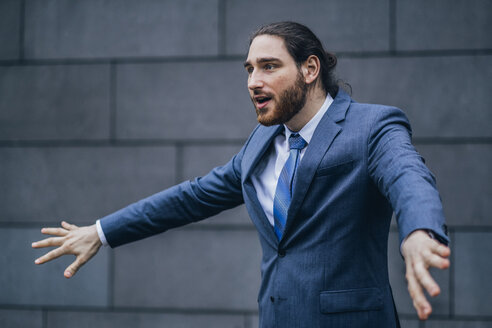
(283, 193)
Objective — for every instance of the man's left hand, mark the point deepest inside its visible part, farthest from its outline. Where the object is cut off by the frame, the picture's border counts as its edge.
(421, 252)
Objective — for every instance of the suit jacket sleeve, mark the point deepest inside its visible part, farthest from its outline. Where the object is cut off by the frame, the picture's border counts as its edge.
(184, 203)
(402, 177)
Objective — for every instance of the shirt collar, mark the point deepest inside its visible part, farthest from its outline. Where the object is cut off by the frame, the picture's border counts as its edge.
(308, 130)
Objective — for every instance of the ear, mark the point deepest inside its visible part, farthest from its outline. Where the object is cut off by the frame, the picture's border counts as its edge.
(310, 69)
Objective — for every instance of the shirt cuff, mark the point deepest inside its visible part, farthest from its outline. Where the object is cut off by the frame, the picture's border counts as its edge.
(100, 233)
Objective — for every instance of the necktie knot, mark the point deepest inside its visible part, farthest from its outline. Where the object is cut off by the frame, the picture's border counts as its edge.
(296, 141)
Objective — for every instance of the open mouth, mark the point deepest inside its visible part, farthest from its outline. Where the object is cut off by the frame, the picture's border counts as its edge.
(262, 100)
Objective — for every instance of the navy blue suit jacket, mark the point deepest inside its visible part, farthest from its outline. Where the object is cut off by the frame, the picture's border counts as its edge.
(330, 267)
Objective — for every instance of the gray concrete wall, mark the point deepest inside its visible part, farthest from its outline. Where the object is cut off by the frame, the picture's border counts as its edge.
(103, 102)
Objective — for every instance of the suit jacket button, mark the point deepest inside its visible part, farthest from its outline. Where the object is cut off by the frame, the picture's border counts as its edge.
(281, 253)
(272, 299)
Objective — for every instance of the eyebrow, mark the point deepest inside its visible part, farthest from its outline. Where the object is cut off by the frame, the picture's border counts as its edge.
(262, 60)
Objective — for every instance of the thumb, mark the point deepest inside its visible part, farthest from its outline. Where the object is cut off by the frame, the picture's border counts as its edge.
(72, 269)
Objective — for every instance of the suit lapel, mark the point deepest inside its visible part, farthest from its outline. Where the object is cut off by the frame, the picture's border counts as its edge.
(326, 131)
(258, 145)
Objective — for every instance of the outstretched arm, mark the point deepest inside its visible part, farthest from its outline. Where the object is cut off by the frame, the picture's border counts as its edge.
(83, 242)
(400, 174)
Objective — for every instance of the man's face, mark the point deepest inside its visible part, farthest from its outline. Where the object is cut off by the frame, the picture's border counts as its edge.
(276, 85)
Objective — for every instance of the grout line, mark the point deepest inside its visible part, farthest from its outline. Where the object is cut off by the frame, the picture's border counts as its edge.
(201, 311)
(22, 22)
(240, 57)
(413, 53)
(111, 278)
(458, 228)
(213, 226)
(112, 102)
(392, 26)
(451, 277)
(439, 317)
(193, 226)
(44, 318)
(179, 163)
(248, 321)
(452, 140)
(126, 309)
(221, 27)
(204, 142)
(119, 143)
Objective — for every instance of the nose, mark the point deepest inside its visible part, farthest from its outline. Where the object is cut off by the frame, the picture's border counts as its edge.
(255, 81)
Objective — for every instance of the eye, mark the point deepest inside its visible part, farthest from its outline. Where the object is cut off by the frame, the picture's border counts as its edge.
(249, 69)
(269, 67)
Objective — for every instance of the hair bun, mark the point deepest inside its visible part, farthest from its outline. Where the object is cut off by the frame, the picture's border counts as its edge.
(331, 60)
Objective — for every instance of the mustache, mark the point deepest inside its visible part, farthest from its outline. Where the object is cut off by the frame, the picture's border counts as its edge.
(258, 92)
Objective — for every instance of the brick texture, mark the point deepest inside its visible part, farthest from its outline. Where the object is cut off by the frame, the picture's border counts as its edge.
(10, 13)
(141, 320)
(26, 283)
(472, 273)
(54, 102)
(442, 96)
(440, 304)
(441, 24)
(79, 183)
(458, 324)
(184, 101)
(21, 318)
(188, 268)
(114, 28)
(460, 175)
(104, 102)
(341, 25)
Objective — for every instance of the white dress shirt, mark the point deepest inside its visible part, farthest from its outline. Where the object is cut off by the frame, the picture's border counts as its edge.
(266, 174)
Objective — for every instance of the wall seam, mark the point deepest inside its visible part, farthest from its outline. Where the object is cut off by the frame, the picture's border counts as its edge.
(221, 27)
(392, 26)
(238, 57)
(22, 22)
(44, 318)
(111, 278)
(179, 162)
(205, 142)
(451, 276)
(112, 101)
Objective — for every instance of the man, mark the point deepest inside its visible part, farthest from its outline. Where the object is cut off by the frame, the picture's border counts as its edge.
(320, 177)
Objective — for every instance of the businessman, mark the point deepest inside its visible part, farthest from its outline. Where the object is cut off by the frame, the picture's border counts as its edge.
(320, 177)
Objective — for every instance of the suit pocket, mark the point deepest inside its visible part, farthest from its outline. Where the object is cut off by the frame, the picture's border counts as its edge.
(350, 300)
(335, 169)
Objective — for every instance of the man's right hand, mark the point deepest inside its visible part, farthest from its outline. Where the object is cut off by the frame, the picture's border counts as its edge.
(83, 242)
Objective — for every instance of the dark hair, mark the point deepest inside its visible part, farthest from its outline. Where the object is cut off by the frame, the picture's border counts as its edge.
(301, 43)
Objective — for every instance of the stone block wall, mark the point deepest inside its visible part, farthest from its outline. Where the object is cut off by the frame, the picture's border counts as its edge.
(103, 102)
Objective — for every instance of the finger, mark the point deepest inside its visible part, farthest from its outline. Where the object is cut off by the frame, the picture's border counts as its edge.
(419, 301)
(56, 253)
(437, 261)
(425, 279)
(68, 226)
(73, 268)
(54, 231)
(441, 250)
(48, 242)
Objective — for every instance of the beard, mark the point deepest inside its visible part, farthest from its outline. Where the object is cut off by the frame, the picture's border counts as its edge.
(288, 104)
